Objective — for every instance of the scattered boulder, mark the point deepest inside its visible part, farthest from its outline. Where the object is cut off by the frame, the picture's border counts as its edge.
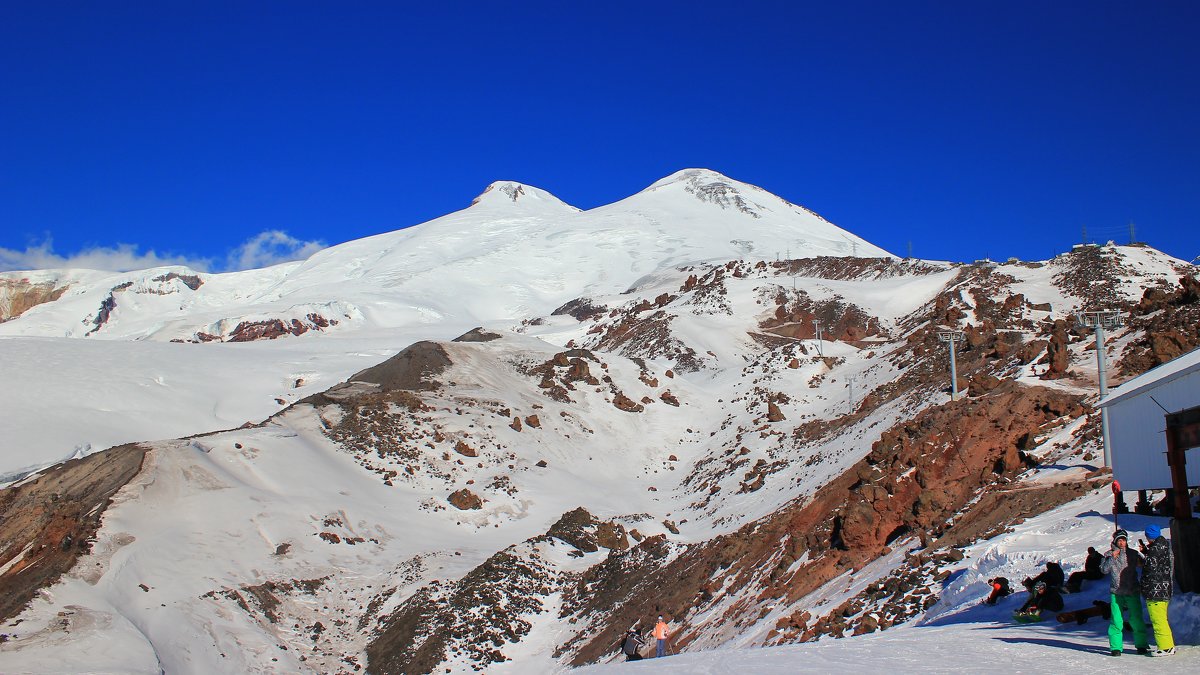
(477, 335)
(774, 414)
(465, 500)
(623, 402)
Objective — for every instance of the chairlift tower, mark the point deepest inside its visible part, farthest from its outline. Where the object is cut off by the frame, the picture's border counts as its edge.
(951, 338)
(850, 381)
(1098, 321)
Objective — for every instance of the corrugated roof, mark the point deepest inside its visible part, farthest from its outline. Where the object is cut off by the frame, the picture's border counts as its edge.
(1171, 370)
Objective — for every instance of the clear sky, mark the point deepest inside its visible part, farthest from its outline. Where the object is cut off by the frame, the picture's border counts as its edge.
(241, 133)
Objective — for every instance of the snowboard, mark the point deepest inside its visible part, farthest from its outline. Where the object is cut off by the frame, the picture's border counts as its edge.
(1032, 617)
(1081, 616)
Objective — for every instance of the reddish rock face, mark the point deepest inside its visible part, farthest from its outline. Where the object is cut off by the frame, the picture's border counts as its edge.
(1159, 316)
(248, 331)
(19, 295)
(917, 475)
(56, 516)
(1057, 358)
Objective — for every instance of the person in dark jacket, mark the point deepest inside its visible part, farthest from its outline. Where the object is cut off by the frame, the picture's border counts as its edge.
(1157, 581)
(1042, 597)
(1091, 571)
(1053, 577)
(1121, 565)
(632, 644)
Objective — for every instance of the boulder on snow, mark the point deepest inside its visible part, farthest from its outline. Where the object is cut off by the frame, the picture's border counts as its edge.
(774, 414)
(465, 500)
(477, 335)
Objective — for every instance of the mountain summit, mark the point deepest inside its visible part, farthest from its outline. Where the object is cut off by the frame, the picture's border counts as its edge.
(515, 251)
(506, 193)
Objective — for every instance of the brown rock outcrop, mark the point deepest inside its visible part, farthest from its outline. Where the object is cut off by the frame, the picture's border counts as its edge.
(51, 520)
(413, 369)
(774, 414)
(20, 295)
(623, 402)
(1058, 355)
(465, 500)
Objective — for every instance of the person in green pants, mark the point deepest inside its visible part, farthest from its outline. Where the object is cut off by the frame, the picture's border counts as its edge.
(1157, 583)
(1121, 564)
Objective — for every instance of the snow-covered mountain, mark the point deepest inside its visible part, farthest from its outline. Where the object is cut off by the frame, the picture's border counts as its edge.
(516, 253)
(516, 250)
(355, 476)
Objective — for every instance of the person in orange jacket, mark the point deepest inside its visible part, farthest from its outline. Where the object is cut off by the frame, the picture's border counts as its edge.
(660, 635)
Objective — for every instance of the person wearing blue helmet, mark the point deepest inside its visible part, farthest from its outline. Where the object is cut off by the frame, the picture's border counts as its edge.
(1157, 576)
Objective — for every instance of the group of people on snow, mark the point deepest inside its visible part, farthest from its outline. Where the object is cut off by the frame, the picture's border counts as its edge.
(1156, 564)
(1133, 575)
(632, 643)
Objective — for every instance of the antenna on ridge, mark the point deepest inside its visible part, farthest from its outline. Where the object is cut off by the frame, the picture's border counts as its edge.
(1160, 405)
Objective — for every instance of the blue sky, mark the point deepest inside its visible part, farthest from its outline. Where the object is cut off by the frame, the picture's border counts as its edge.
(236, 134)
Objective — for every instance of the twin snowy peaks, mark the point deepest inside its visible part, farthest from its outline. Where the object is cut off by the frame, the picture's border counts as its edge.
(702, 181)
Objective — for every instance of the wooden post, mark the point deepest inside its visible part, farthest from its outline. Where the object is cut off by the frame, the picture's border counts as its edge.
(1183, 432)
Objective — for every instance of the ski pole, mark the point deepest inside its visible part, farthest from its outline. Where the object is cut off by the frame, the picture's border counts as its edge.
(1116, 488)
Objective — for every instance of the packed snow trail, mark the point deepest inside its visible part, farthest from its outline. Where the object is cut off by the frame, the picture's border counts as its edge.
(1047, 647)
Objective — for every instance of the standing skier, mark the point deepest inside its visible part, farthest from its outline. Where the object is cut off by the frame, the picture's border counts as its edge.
(1156, 586)
(1121, 565)
(660, 634)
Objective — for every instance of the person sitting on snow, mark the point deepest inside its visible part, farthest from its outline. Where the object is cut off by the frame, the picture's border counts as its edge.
(1000, 589)
(1091, 571)
(1053, 577)
(1042, 597)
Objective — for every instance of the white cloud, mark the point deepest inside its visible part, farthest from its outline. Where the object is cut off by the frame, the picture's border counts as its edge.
(262, 250)
(119, 258)
(270, 248)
